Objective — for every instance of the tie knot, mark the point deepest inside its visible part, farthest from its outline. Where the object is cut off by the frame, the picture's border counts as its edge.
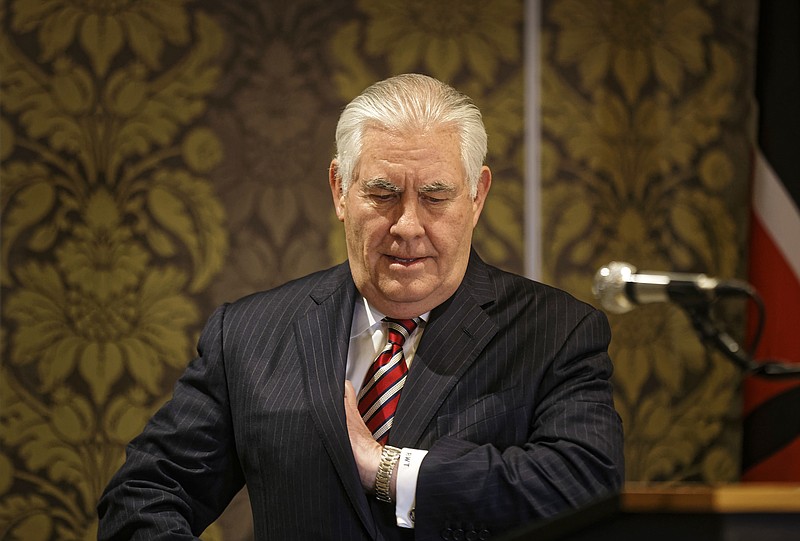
(400, 329)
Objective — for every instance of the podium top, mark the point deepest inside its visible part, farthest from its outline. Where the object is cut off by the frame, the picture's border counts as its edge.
(735, 498)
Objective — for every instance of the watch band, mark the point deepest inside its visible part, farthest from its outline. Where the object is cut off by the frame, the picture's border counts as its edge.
(390, 456)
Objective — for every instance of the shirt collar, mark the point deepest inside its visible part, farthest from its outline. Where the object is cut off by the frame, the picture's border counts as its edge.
(367, 318)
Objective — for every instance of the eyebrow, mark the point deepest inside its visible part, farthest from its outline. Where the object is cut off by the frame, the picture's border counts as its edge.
(437, 186)
(381, 184)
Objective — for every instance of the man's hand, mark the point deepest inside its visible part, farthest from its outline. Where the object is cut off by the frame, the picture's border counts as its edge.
(366, 450)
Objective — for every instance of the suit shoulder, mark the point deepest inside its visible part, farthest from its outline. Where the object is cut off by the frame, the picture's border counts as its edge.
(512, 289)
(292, 297)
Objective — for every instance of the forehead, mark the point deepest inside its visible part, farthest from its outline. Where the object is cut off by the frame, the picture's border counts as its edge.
(386, 151)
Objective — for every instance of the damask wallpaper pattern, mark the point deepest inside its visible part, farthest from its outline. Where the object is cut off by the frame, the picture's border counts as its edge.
(162, 156)
(645, 119)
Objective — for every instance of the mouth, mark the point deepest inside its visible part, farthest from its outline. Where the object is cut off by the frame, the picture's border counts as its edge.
(406, 261)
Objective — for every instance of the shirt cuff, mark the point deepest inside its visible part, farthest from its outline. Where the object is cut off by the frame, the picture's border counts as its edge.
(407, 473)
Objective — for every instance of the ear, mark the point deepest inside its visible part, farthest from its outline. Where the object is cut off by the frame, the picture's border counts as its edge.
(484, 183)
(335, 181)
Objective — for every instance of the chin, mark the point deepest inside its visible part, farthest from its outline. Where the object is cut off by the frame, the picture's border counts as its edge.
(404, 296)
(419, 300)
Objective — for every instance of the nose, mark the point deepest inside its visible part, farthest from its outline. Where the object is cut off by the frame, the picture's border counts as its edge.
(409, 222)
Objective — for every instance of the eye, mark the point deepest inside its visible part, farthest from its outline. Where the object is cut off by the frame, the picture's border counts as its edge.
(430, 198)
(383, 197)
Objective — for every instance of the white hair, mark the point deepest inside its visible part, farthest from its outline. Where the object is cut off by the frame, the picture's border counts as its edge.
(411, 102)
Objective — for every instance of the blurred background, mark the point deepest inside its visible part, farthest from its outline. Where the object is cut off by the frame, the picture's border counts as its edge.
(160, 157)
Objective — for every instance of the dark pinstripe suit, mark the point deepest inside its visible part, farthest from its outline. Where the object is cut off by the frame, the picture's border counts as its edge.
(508, 390)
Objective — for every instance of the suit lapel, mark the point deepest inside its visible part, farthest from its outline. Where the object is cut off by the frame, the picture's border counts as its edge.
(457, 332)
(322, 339)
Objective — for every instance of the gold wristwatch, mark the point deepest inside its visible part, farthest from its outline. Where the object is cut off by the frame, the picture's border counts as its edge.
(390, 456)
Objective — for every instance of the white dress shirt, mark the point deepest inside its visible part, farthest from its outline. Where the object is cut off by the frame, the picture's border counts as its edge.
(367, 338)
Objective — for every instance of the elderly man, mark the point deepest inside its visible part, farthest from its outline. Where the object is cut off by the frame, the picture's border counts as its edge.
(412, 392)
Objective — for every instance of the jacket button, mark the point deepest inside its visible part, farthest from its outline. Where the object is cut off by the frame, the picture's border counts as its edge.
(447, 534)
(484, 535)
(458, 535)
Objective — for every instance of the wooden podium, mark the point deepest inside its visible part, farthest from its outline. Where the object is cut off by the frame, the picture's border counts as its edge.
(741, 512)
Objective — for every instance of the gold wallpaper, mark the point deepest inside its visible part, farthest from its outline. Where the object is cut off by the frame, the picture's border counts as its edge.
(159, 157)
(645, 159)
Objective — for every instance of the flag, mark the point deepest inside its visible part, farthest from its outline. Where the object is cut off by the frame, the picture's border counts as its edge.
(771, 422)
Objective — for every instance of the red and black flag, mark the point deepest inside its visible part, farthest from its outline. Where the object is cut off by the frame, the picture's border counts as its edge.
(771, 437)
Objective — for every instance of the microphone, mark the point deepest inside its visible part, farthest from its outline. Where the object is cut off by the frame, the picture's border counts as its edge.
(619, 288)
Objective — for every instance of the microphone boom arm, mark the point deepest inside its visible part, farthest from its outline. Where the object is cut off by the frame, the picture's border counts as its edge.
(619, 289)
(700, 316)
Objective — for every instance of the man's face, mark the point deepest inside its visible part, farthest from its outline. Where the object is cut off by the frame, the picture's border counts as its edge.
(408, 219)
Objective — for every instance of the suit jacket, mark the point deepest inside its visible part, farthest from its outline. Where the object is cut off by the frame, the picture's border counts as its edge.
(508, 391)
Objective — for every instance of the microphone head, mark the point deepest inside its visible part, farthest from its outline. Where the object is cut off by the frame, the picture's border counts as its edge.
(609, 287)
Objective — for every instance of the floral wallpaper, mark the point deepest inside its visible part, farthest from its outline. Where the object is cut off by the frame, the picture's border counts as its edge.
(645, 159)
(159, 157)
(110, 228)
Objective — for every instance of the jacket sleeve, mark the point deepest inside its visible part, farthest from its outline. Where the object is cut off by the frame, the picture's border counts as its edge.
(182, 471)
(572, 456)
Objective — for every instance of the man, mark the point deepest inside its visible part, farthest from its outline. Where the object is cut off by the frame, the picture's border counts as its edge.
(489, 407)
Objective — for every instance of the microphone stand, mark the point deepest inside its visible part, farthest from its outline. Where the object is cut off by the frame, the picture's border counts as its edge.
(700, 315)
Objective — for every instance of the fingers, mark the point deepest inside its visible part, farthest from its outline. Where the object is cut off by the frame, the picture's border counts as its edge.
(349, 393)
(350, 400)
(366, 450)
(354, 421)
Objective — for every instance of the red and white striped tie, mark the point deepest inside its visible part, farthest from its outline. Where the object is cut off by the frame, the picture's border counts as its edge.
(380, 393)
